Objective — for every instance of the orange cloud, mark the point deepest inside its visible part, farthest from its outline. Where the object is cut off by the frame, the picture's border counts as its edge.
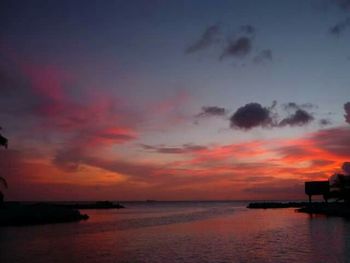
(211, 173)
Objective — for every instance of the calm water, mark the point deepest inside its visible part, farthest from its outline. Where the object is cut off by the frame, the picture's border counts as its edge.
(182, 232)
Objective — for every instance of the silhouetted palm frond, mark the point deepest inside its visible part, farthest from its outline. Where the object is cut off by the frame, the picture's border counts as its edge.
(3, 182)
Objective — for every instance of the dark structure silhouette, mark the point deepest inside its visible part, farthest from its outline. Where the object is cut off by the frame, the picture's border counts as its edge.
(317, 188)
(337, 187)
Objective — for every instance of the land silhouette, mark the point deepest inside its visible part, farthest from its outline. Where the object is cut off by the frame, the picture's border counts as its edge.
(336, 189)
(15, 213)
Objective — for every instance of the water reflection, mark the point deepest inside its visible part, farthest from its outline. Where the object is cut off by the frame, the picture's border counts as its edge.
(329, 238)
(224, 232)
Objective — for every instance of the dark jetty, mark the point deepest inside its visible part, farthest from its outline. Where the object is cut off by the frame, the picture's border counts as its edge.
(96, 205)
(16, 214)
(266, 205)
(328, 209)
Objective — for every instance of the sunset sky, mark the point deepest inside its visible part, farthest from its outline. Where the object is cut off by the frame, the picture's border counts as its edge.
(173, 100)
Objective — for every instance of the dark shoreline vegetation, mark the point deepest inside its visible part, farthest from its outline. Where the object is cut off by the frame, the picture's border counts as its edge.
(20, 214)
(319, 208)
(17, 214)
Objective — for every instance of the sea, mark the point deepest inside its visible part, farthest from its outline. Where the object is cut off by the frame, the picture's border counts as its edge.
(182, 232)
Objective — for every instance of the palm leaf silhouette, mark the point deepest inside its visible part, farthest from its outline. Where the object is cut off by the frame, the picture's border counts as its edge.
(3, 182)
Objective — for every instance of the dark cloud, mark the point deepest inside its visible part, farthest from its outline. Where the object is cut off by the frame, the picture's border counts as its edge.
(263, 55)
(254, 115)
(248, 29)
(347, 112)
(325, 122)
(298, 114)
(208, 111)
(299, 118)
(185, 148)
(250, 116)
(210, 36)
(239, 48)
(340, 27)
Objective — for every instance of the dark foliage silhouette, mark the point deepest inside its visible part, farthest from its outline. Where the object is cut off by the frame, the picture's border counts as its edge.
(3, 142)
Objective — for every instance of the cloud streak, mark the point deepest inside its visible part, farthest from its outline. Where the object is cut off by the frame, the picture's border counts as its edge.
(211, 111)
(185, 148)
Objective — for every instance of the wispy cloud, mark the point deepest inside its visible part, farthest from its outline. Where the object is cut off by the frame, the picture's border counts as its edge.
(325, 122)
(209, 111)
(248, 29)
(295, 106)
(299, 118)
(210, 36)
(339, 28)
(347, 112)
(238, 48)
(263, 56)
(185, 148)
